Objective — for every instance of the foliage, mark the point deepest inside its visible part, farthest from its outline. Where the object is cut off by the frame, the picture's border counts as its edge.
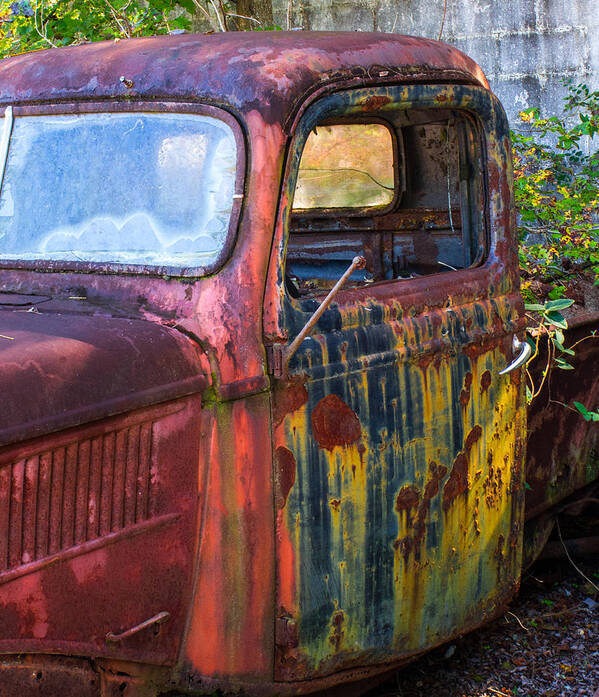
(548, 324)
(546, 336)
(586, 414)
(557, 189)
(29, 25)
(556, 183)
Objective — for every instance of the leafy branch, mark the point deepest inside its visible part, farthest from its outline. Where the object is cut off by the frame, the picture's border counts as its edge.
(556, 187)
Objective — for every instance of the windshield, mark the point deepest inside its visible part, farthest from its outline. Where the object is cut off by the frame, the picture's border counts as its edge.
(127, 188)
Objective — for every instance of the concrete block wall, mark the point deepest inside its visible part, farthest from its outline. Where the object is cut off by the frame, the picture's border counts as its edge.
(525, 47)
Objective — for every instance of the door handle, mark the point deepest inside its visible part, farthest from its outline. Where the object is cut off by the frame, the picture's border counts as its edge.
(157, 619)
(525, 350)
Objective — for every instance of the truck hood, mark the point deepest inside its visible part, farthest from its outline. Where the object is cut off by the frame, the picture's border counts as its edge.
(64, 370)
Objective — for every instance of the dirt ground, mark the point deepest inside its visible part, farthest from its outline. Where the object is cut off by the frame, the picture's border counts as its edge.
(547, 645)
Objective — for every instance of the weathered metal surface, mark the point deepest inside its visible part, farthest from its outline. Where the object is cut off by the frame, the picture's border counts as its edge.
(22, 676)
(271, 72)
(580, 547)
(399, 447)
(563, 448)
(230, 627)
(83, 515)
(60, 370)
(392, 494)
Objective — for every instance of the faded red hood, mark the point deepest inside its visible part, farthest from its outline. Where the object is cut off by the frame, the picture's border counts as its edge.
(58, 371)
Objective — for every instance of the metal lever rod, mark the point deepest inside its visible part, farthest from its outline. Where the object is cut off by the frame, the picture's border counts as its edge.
(357, 263)
(525, 350)
(157, 619)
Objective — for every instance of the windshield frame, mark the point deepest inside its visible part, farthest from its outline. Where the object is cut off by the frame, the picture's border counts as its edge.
(133, 106)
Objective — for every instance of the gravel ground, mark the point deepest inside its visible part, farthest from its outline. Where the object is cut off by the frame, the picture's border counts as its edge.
(547, 645)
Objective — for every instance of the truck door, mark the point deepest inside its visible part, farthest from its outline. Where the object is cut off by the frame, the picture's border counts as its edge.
(398, 443)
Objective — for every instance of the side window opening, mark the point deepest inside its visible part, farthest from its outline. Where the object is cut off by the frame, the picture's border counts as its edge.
(338, 169)
(406, 194)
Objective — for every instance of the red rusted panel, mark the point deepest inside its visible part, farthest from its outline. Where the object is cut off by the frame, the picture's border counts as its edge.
(48, 675)
(65, 584)
(563, 448)
(43, 487)
(230, 632)
(54, 371)
(268, 72)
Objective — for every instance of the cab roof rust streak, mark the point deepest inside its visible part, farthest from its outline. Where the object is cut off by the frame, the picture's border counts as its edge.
(271, 72)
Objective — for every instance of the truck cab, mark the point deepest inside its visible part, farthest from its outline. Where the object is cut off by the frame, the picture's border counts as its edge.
(203, 485)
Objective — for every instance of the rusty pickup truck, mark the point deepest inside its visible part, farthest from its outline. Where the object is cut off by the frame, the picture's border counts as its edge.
(264, 424)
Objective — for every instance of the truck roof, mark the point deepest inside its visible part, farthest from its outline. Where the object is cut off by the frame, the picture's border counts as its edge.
(271, 72)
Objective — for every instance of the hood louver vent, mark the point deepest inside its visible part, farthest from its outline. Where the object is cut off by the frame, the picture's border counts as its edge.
(62, 498)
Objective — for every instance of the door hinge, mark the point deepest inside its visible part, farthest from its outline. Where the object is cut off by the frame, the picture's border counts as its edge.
(274, 359)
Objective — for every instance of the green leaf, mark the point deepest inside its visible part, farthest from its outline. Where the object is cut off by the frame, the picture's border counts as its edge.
(563, 365)
(556, 319)
(583, 410)
(534, 307)
(559, 304)
(557, 292)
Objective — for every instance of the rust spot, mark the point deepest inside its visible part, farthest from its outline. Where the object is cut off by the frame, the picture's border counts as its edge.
(408, 497)
(475, 350)
(337, 625)
(465, 393)
(285, 468)
(286, 632)
(437, 472)
(375, 102)
(425, 361)
(335, 504)
(514, 539)
(502, 247)
(361, 451)
(334, 423)
(499, 551)
(485, 381)
(516, 466)
(404, 546)
(288, 399)
(458, 481)
(432, 487)
(472, 438)
(493, 486)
